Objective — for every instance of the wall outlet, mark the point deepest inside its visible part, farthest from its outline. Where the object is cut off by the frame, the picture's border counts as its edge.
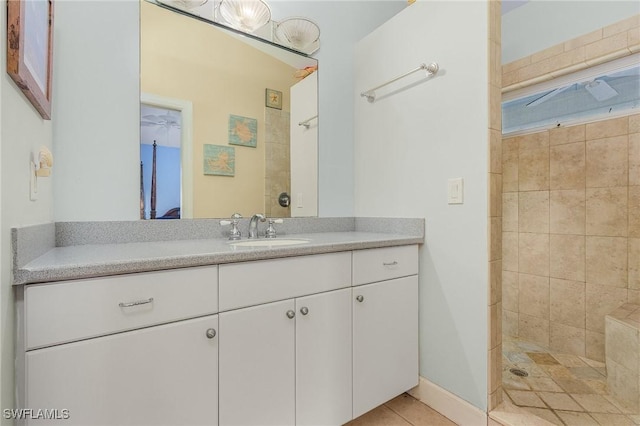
(455, 191)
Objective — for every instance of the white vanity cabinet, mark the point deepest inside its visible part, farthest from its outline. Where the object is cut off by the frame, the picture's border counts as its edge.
(385, 325)
(287, 362)
(138, 349)
(307, 340)
(162, 375)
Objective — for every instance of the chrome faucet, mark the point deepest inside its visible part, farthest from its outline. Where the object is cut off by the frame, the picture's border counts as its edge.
(253, 224)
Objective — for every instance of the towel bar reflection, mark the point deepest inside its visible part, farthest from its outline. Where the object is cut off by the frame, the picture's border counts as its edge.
(306, 123)
(431, 69)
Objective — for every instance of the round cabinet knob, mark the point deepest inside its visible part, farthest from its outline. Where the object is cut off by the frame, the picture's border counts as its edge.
(290, 314)
(304, 310)
(211, 333)
(360, 298)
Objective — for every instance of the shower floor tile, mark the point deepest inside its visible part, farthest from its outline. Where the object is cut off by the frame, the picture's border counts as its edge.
(562, 389)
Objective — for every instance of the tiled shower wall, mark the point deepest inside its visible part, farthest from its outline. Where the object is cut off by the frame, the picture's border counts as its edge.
(571, 232)
(277, 161)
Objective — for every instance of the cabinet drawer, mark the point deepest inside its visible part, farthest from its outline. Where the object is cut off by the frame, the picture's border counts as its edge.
(74, 310)
(253, 283)
(386, 263)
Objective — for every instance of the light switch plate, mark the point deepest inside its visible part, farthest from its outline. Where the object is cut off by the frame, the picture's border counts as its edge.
(455, 191)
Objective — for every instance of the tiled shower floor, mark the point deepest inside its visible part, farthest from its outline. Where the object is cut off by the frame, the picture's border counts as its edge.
(562, 389)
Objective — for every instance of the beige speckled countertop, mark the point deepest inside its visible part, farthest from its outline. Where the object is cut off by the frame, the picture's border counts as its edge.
(93, 260)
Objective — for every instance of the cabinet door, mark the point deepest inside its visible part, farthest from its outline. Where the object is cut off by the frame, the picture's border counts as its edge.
(257, 366)
(385, 341)
(163, 375)
(323, 359)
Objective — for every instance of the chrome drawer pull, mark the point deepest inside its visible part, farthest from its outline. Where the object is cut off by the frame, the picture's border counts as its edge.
(136, 303)
(394, 263)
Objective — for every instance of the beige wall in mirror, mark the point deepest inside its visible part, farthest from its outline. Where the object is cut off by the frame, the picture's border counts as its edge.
(222, 76)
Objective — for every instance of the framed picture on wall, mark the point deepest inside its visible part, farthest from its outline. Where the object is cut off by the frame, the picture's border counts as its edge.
(273, 99)
(29, 50)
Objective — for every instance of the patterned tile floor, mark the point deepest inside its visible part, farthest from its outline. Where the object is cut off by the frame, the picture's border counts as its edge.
(562, 389)
(403, 410)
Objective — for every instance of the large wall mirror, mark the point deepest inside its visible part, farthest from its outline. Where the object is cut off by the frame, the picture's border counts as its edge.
(234, 121)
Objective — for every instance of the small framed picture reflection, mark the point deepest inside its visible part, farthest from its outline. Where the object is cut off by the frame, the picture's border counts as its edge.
(273, 99)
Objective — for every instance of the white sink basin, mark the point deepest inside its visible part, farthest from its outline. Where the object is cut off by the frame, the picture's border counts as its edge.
(273, 242)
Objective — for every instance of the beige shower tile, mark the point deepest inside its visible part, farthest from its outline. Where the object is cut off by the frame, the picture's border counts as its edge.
(634, 211)
(634, 297)
(533, 296)
(509, 323)
(559, 401)
(567, 304)
(569, 360)
(535, 258)
(607, 261)
(622, 344)
(624, 388)
(510, 211)
(533, 329)
(495, 322)
(510, 291)
(495, 151)
(634, 263)
(634, 123)
(495, 107)
(567, 212)
(495, 279)
(525, 398)
(612, 419)
(621, 26)
(607, 211)
(607, 128)
(567, 257)
(607, 161)
(510, 251)
(583, 40)
(533, 211)
(595, 345)
(601, 300)
(634, 159)
(567, 166)
(495, 242)
(495, 195)
(545, 414)
(572, 418)
(573, 385)
(533, 169)
(510, 164)
(564, 135)
(595, 403)
(567, 339)
(494, 375)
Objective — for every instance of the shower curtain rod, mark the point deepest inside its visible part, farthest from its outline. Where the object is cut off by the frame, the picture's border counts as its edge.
(432, 69)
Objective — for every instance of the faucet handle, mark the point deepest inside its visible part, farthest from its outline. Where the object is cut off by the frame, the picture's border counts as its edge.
(234, 233)
(271, 231)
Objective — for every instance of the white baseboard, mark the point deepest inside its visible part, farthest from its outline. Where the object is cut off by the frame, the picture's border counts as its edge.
(456, 409)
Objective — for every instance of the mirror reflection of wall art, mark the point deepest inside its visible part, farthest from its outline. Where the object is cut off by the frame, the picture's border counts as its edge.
(219, 160)
(243, 131)
(273, 99)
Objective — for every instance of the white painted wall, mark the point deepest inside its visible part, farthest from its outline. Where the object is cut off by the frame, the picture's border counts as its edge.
(304, 147)
(407, 145)
(342, 23)
(540, 24)
(22, 132)
(97, 104)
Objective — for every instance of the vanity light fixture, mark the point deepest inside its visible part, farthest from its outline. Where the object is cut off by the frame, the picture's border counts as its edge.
(245, 15)
(298, 33)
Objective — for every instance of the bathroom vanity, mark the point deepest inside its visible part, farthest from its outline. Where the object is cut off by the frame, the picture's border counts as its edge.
(319, 334)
